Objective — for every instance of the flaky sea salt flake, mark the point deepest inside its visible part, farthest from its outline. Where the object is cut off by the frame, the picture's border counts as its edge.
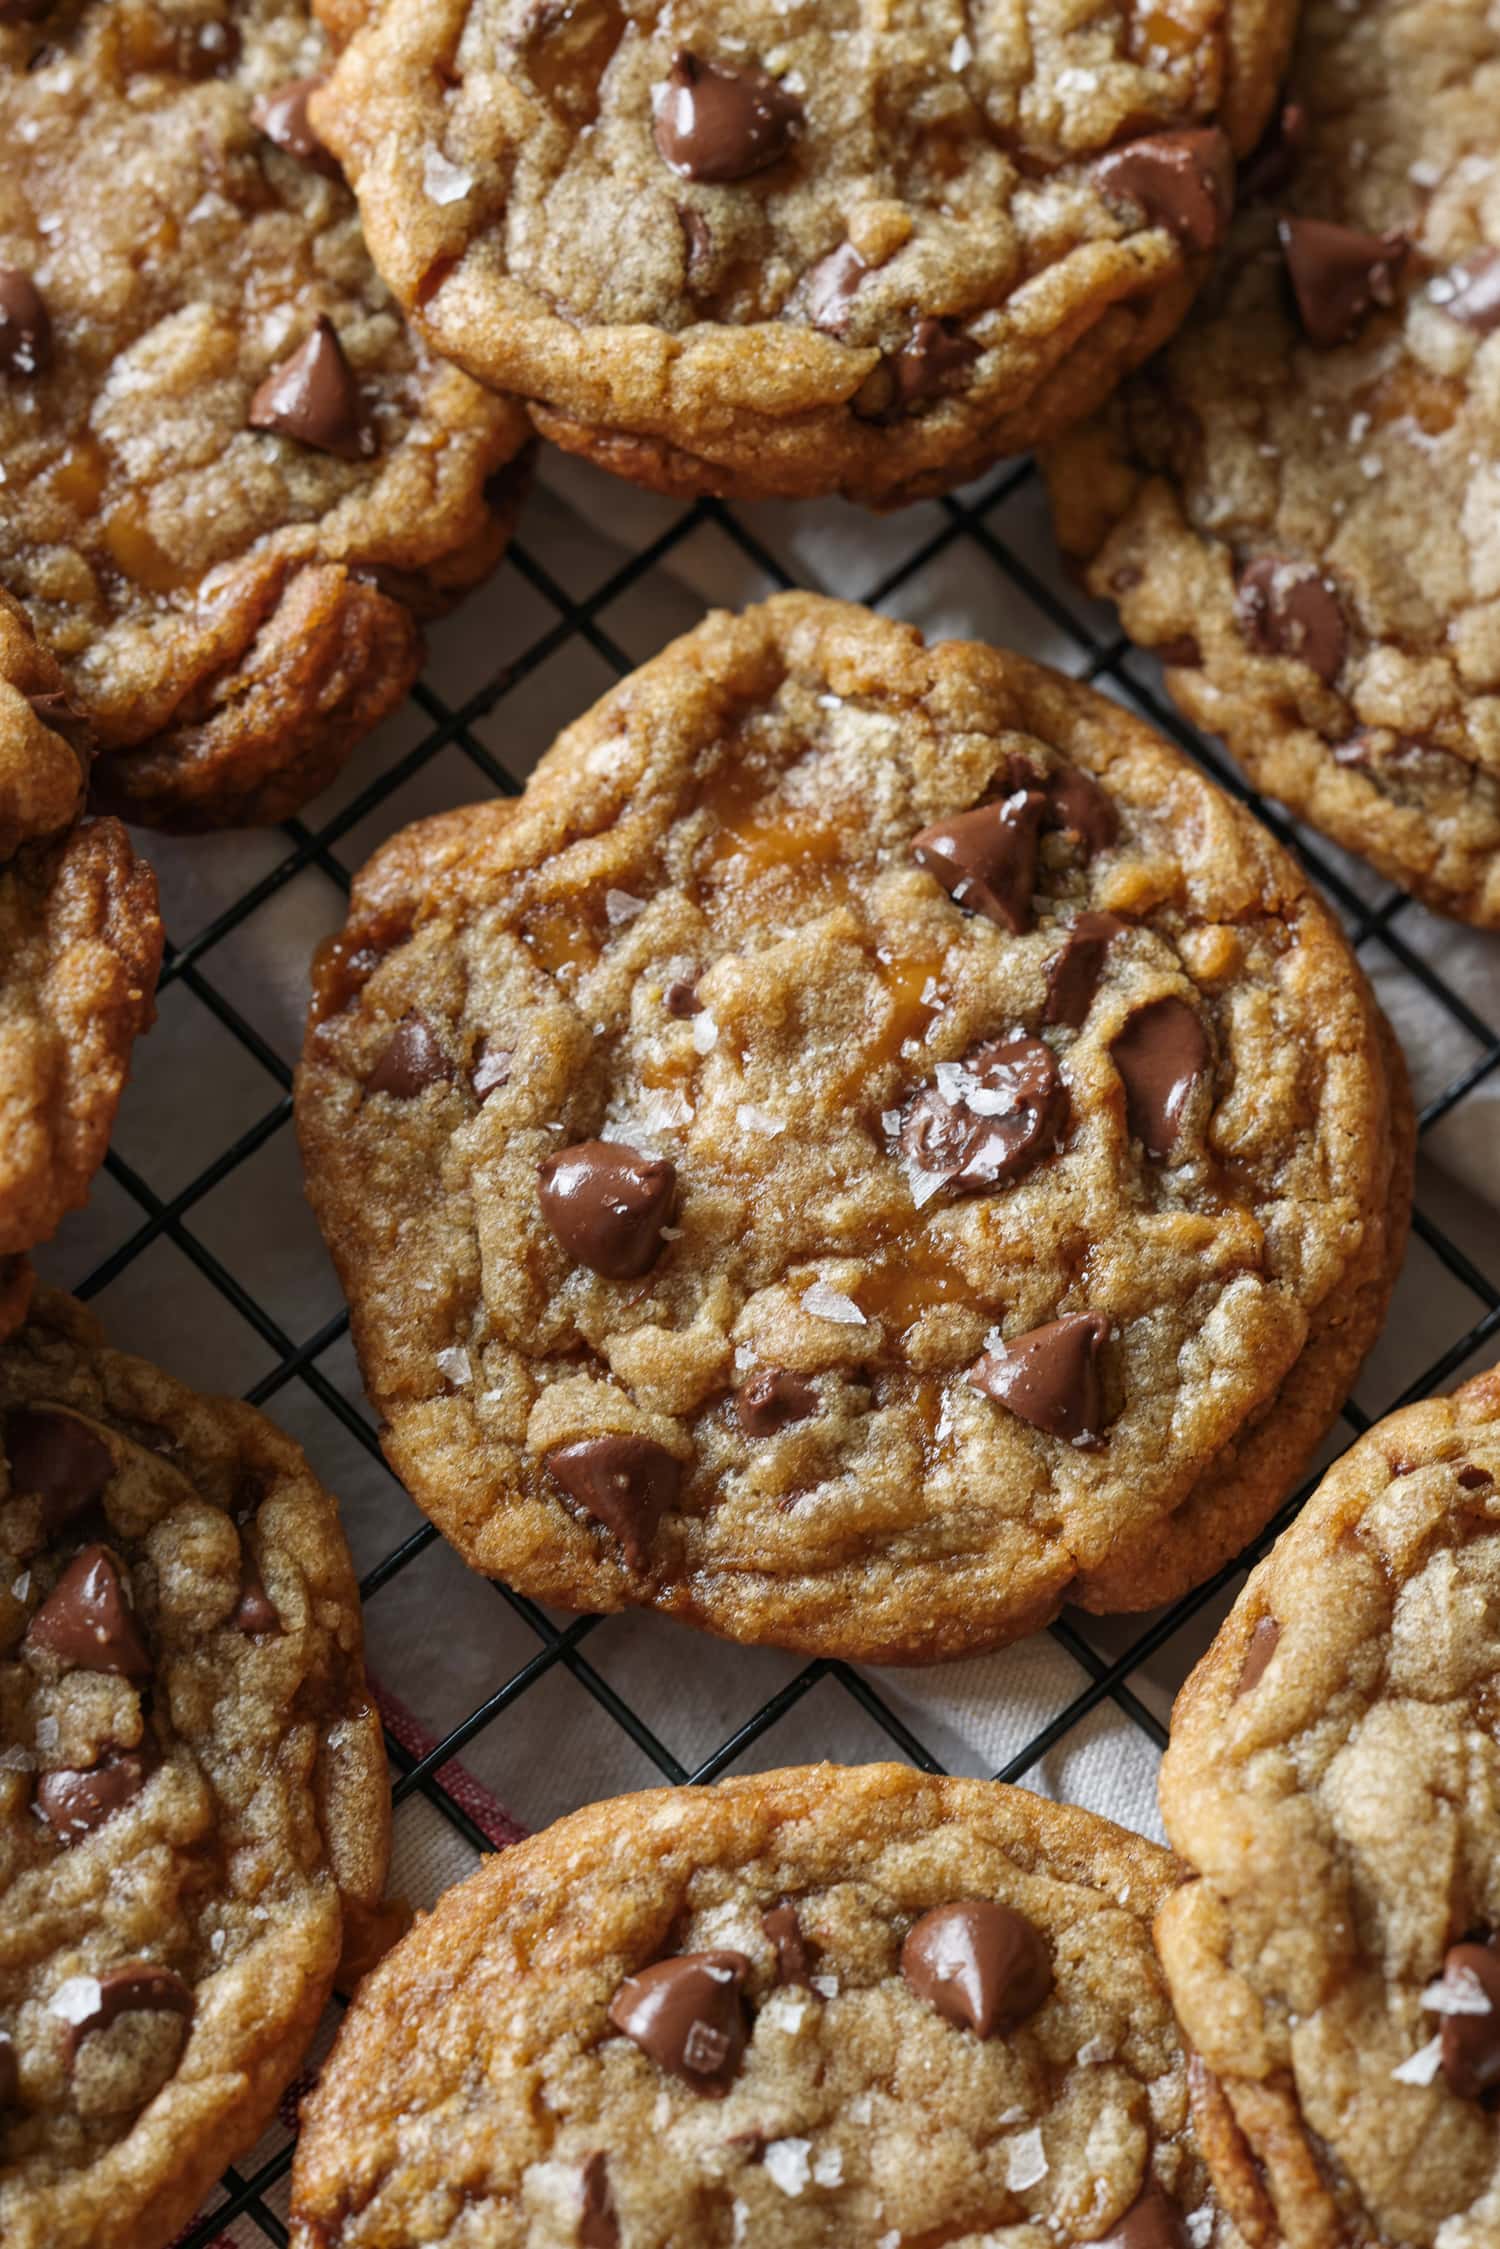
(1421, 2067)
(1025, 2161)
(444, 182)
(787, 2163)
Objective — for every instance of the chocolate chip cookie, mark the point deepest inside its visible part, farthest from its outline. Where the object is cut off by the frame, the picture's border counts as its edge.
(1296, 505)
(872, 1146)
(1332, 1779)
(799, 248)
(823, 2006)
(193, 1796)
(232, 478)
(80, 945)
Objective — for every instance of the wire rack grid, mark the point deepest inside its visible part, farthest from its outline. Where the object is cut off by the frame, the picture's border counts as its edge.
(199, 1252)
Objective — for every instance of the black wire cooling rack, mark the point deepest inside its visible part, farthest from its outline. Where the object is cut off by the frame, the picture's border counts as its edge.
(992, 533)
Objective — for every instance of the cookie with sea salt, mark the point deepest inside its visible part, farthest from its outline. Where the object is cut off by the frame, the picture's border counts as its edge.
(233, 479)
(772, 248)
(854, 2006)
(1296, 505)
(1333, 1778)
(873, 1145)
(194, 1808)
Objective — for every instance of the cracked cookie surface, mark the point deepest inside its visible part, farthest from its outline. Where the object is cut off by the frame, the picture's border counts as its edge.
(229, 578)
(1296, 504)
(1332, 1778)
(806, 248)
(942, 2020)
(870, 1146)
(194, 1808)
(80, 946)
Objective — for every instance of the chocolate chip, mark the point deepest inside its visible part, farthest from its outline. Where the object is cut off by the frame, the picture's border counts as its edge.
(138, 1989)
(1153, 2221)
(1471, 2042)
(988, 1119)
(282, 116)
(979, 1964)
(1473, 293)
(410, 1062)
(607, 1205)
(1290, 609)
(1180, 655)
(314, 398)
(1182, 181)
(681, 999)
(930, 364)
(688, 2015)
(1272, 165)
(1077, 805)
(58, 1460)
(1259, 1649)
(25, 11)
(491, 1070)
(10, 2069)
(87, 1621)
(1337, 274)
(698, 239)
(1472, 1478)
(1051, 1377)
(784, 1931)
(74, 1802)
(598, 2227)
(772, 1400)
(721, 125)
(254, 1611)
(1160, 1052)
(986, 859)
(1073, 974)
(626, 1483)
(25, 325)
(830, 288)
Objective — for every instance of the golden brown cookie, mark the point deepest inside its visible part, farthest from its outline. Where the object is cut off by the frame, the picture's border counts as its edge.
(862, 2007)
(194, 1808)
(233, 480)
(80, 946)
(873, 1145)
(799, 249)
(1296, 505)
(1333, 1778)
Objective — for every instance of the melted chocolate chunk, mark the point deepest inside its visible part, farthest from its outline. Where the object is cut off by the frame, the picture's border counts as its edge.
(986, 859)
(980, 1965)
(626, 1483)
(138, 1989)
(1290, 609)
(784, 1931)
(1160, 1052)
(722, 125)
(1081, 808)
(25, 11)
(930, 364)
(1471, 2042)
(607, 1204)
(282, 116)
(1051, 1377)
(1259, 1649)
(58, 1460)
(831, 287)
(598, 2227)
(772, 1400)
(1473, 1478)
(1273, 164)
(74, 1802)
(1338, 274)
(314, 398)
(25, 326)
(989, 1119)
(255, 1611)
(10, 2071)
(1182, 181)
(1073, 974)
(689, 2016)
(1153, 2221)
(87, 1622)
(1473, 295)
(411, 1061)
(681, 999)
